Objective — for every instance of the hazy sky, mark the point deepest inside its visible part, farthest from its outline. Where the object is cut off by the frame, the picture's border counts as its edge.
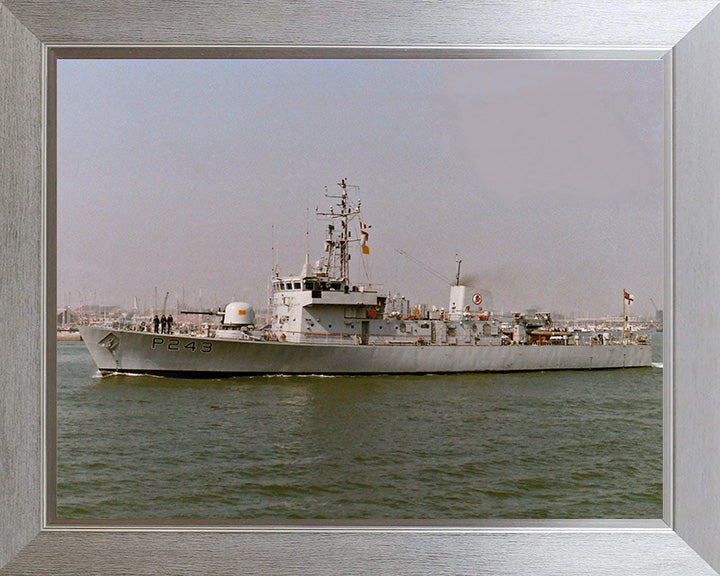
(545, 177)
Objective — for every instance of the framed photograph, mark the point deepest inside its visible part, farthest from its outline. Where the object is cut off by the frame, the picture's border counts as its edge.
(313, 359)
(678, 45)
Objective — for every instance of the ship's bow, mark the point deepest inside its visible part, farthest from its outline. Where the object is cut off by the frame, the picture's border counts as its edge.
(102, 344)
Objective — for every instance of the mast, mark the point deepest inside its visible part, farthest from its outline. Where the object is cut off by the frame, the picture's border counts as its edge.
(338, 248)
(344, 235)
(624, 332)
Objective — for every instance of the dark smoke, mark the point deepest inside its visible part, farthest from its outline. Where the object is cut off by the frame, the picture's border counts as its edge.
(469, 279)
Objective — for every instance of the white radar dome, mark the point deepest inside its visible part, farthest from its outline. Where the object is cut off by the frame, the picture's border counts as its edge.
(239, 314)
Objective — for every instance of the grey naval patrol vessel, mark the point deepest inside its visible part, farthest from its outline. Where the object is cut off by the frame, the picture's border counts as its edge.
(323, 323)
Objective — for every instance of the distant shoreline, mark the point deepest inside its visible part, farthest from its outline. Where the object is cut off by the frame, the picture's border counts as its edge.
(66, 336)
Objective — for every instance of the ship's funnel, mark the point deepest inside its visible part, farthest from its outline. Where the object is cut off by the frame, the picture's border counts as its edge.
(457, 301)
(464, 301)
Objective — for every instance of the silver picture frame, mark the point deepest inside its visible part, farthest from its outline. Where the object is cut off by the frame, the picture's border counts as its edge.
(684, 34)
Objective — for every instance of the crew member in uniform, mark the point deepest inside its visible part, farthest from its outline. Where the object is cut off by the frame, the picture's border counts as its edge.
(163, 324)
(169, 323)
(156, 323)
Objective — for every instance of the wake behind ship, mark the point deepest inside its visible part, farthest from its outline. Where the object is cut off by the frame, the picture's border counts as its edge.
(322, 323)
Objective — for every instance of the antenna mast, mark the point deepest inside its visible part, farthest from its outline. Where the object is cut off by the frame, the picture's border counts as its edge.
(338, 259)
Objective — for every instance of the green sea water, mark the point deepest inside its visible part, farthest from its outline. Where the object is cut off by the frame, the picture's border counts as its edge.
(565, 444)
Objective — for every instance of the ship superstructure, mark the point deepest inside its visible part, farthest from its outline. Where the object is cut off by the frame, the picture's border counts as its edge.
(322, 306)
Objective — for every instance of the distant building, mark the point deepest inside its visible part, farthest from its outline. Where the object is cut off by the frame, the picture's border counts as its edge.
(65, 316)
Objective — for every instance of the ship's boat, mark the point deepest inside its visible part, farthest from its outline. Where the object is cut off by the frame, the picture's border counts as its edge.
(323, 323)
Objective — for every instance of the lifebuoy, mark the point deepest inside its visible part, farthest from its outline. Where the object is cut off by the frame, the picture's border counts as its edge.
(282, 337)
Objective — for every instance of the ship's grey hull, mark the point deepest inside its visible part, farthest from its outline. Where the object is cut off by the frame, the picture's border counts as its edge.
(143, 352)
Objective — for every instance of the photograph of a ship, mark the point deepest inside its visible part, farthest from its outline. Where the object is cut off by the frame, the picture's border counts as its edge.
(359, 289)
